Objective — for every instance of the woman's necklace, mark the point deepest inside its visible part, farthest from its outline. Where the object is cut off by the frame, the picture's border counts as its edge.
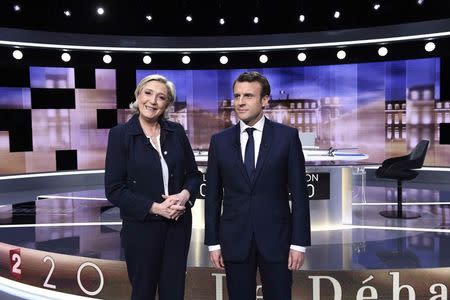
(153, 134)
(151, 131)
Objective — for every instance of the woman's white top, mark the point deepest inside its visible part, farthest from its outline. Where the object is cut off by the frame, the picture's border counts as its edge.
(164, 167)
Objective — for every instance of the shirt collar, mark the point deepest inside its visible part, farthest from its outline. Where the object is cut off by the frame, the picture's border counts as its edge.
(258, 125)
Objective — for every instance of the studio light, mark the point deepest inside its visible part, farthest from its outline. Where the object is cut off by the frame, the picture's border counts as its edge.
(376, 6)
(149, 17)
(147, 59)
(430, 46)
(341, 54)
(65, 57)
(100, 11)
(17, 7)
(301, 56)
(189, 18)
(221, 21)
(186, 59)
(263, 59)
(223, 60)
(337, 14)
(67, 13)
(17, 54)
(107, 58)
(382, 51)
(420, 2)
(255, 20)
(301, 18)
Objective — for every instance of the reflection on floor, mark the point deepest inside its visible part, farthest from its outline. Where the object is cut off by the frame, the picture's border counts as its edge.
(432, 204)
(84, 224)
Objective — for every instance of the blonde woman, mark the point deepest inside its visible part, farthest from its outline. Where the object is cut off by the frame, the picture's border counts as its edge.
(152, 176)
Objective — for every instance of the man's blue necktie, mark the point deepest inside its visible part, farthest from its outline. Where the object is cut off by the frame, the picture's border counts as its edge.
(249, 159)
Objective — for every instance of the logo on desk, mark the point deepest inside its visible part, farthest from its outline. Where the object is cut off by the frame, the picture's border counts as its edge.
(318, 185)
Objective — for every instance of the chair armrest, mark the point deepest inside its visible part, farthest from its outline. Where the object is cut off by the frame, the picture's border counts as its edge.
(393, 160)
(405, 165)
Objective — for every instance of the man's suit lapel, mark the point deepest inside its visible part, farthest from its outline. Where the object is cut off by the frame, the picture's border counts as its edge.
(237, 153)
(264, 148)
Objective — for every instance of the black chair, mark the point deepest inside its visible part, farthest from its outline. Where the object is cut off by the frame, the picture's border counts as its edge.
(400, 169)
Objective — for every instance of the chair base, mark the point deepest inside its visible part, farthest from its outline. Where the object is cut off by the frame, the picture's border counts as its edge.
(393, 214)
(443, 226)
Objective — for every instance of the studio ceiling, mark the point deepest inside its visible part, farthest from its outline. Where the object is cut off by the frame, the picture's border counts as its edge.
(168, 18)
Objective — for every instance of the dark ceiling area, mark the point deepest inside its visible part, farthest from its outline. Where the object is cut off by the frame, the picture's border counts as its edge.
(168, 18)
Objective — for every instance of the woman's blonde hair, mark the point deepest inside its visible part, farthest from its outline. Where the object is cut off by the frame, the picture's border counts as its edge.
(171, 92)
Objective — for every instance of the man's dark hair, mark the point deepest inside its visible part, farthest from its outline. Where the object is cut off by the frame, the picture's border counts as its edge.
(252, 77)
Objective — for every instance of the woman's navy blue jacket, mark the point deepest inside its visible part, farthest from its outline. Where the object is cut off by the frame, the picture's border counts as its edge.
(133, 175)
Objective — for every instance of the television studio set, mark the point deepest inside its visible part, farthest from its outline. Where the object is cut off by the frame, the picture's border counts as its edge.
(365, 83)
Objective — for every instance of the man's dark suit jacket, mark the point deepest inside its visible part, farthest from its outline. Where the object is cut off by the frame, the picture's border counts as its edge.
(133, 180)
(259, 208)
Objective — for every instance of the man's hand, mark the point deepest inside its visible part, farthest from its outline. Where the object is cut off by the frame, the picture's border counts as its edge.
(217, 259)
(296, 259)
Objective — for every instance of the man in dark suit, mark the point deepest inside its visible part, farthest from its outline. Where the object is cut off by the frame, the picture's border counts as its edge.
(252, 168)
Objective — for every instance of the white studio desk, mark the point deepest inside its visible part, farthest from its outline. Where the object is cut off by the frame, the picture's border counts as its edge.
(311, 155)
(329, 184)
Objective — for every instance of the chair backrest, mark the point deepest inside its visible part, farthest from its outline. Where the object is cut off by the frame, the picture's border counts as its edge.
(419, 152)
